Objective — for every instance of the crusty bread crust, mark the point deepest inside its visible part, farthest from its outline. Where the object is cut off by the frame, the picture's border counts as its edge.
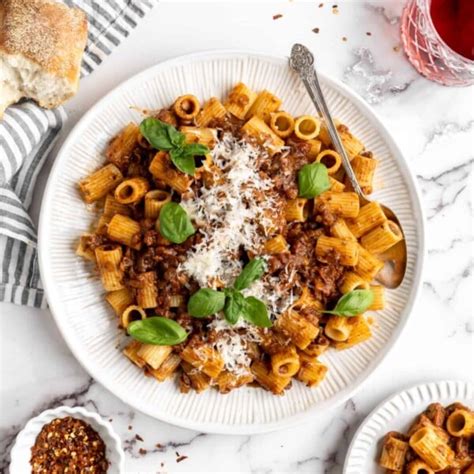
(47, 33)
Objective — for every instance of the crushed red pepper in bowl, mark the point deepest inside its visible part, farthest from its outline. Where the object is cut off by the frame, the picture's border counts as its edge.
(68, 445)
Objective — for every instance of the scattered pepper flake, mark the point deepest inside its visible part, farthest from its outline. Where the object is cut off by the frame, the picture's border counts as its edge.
(162, 464)
(396, 48)
(344, 38)
(138, 437)
(181, 458)
(130, 427)
(321, 5)
(277, 16)
(335, 10)
(142, 451)
(368, 33)
(68, 445)
(315, 30)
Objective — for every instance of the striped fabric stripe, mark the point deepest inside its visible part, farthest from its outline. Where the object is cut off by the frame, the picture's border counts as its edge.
(27, 133)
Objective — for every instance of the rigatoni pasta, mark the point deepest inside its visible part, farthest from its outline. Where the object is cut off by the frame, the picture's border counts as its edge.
(205, 189)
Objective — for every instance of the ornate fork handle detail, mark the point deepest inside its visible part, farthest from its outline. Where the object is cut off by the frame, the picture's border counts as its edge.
(302, 61)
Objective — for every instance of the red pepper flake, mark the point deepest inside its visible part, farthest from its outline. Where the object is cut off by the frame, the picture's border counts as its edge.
(277, 16)
(368, 33)
(68, 445)
(315, 30)
(142, 451)
(181, 458)
(138, 437)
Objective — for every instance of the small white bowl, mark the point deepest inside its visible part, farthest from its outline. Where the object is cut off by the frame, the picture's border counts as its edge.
(21, 451)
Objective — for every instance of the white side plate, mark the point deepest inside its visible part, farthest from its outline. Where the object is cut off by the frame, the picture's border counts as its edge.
(76, 298)
(396, 414)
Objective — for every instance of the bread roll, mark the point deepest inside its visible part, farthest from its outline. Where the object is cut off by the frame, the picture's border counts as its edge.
(41, 46)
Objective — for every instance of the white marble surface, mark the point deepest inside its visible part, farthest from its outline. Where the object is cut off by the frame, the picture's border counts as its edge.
(433, 126)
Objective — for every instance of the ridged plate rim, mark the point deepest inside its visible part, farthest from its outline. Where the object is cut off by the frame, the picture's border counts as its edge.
(217, 427)
(382, 419)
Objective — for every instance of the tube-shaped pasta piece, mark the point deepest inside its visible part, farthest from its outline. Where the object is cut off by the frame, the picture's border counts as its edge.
(431, 448)
(342, 204)
(186, 107)
(424, 422)
(100, 183)
(199, 380)
(301, 331)
(394, 451)
(264, 105)
(311, 372)
(282, 123)
(364, 169)
(352, 281)
(307, 127)
(346, 249)
(130, 191)
(360, 332)
(122, 144)
(162, 169)
(112, 207)
(368, 265)
(240, 100)
(381, 238)
(147, 291)
(315, 148)
(227, 381)
(167, 368)
(418, 466)
(297, 210)
(108, 262)
(285, 362)
(267, 379)
(371, 215)
(379, 298)
(120, 300)
(212, 110)
(277, 244)
(154, 201)
(131, 313)
(340, 230)
(176, 301)
(203, 135)
(83, 250)
(125, 230)
(131, 352)
(154, 355)
(336, 186)
(204, 358)
(338, 328)
(306, 300)
(352, 145)
(461, 423)
(257, 128)
(324, 132)
(331, 159)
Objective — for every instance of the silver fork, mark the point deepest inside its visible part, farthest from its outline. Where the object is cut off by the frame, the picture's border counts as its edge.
(395, 259)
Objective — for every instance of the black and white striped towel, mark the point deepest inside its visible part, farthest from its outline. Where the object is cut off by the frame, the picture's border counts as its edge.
(27, 132)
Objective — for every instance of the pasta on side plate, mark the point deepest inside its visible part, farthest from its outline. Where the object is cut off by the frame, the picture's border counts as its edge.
(230, 245)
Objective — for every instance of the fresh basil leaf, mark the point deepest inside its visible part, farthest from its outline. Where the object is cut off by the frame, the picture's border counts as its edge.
(255, 311)
(177, 138)
(174, 224)
(250, 273)
(234, 304)
(206, 302)
(156, 132)
(313, 179)
(185, 163)
(158, 331)
(195, 149)
(353, 303)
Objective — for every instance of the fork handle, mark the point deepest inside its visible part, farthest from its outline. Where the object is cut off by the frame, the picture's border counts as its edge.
(302, 61)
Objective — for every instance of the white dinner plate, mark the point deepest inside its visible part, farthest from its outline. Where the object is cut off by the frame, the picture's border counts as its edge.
(397, 413)
(76, 298)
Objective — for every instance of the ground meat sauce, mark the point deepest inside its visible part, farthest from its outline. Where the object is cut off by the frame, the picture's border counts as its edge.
(68, 445)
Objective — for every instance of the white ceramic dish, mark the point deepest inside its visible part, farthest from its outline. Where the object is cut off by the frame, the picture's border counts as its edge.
(76, 299)
(396, 414)
(21, 451)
